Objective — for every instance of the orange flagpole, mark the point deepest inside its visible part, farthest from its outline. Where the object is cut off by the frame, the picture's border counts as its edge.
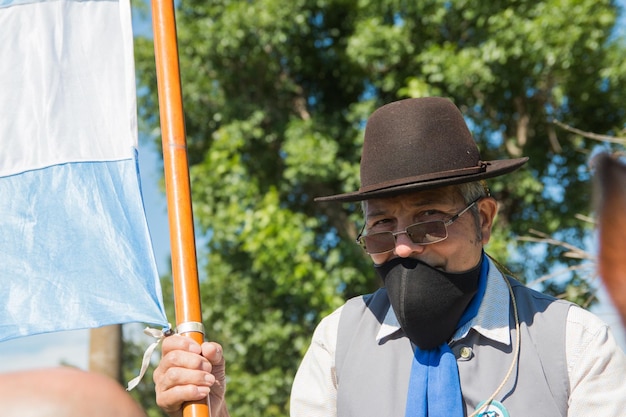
(177, 184)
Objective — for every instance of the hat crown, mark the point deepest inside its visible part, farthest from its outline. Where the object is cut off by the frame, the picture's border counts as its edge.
(418, 144)
(414, 139)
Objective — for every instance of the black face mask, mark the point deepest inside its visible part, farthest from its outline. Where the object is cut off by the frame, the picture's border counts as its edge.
(427, 301)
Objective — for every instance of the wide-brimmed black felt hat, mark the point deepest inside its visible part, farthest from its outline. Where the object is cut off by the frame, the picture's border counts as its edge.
(418, 144)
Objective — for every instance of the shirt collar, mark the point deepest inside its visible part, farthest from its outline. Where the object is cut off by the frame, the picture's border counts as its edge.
(492, 321)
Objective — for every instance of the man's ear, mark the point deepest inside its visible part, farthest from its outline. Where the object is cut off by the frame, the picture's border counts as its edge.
(487, 210)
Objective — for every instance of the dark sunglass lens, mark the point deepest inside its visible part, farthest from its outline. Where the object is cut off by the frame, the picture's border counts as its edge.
(428, 232)
(379, 242)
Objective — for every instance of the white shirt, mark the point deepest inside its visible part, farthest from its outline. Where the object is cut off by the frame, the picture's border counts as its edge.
(596, 365)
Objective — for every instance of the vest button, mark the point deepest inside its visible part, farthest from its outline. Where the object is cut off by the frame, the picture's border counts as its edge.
(465, 352)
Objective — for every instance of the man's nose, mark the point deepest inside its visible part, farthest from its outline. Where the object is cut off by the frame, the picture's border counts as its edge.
(405, 246)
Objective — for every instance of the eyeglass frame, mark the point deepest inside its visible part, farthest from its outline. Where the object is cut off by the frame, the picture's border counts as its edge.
(446, 223)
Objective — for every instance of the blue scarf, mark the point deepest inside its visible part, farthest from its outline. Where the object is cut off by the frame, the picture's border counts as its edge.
(434, 385)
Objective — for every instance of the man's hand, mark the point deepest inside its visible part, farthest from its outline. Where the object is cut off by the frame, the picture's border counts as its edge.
(190, 372)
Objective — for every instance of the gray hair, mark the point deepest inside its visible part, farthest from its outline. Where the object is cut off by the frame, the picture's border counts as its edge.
(471, 191)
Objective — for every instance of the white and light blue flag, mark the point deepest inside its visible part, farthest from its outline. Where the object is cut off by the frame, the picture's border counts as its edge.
(75, 250)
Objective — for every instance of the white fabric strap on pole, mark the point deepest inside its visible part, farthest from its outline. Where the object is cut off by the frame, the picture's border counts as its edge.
(157, 334)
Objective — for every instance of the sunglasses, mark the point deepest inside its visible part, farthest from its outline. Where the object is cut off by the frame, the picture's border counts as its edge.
(422, 233)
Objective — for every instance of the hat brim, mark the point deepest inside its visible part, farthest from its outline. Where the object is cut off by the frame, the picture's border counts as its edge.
(493, 169)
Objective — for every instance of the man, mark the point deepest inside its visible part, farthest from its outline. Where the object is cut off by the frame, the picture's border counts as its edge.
(64, 392)
(449, 334)
(609, 186)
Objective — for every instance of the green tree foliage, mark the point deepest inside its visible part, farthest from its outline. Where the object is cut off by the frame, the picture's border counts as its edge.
(276, 94)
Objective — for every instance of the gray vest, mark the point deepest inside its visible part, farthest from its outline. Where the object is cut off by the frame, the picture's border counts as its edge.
(372, 377)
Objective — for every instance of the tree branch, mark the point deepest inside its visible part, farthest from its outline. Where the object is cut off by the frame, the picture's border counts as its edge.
(590, 135)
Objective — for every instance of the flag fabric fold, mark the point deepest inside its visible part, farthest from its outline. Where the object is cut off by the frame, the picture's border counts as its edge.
(75, 249)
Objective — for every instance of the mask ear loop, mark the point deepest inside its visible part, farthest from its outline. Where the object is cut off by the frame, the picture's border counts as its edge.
(517, 344)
